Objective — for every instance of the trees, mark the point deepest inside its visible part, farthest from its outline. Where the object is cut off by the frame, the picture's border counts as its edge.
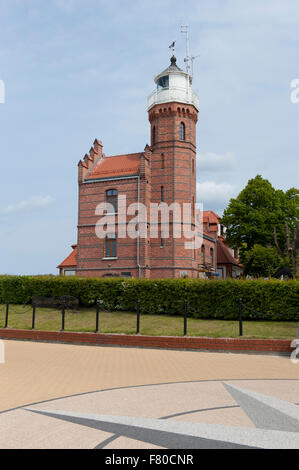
(261, 215)
(265, 260)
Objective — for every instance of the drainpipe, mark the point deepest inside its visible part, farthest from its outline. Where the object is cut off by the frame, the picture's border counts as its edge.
(138, 237)
(216, 256)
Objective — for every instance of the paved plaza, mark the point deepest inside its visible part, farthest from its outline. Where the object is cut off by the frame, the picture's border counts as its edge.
(69, 396)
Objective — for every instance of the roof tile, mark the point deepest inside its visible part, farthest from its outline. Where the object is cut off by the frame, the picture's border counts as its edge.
(118, 165)
(71, 260)
(224, 255)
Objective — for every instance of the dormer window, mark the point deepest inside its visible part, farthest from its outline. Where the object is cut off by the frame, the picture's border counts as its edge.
(163, 83)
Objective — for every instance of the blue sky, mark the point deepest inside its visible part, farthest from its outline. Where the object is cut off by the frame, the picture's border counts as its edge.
(78, 70)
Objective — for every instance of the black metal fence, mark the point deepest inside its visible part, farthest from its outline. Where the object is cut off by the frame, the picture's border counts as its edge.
(66, 304)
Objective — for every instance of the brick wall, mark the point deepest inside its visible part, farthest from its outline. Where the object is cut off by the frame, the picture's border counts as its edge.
(170, 163)
(274, 346)
(173, 167)
(91, 249)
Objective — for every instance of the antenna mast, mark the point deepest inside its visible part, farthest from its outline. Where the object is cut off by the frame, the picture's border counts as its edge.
(185, 30)
(192, 61)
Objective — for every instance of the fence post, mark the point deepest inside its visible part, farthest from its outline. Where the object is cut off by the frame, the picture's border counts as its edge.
(33, 316)
(6, 316)
(240, 317)
(63, 317)
(97, 316)
(138, 317)
(185, 316)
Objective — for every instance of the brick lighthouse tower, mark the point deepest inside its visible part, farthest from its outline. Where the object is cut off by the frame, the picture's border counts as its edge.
(163, 175)
(173, 113)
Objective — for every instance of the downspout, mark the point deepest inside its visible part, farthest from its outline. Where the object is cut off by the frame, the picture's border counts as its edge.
(216, 257)
(138, 237)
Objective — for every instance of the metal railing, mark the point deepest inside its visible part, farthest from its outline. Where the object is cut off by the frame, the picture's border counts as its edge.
(180, 306)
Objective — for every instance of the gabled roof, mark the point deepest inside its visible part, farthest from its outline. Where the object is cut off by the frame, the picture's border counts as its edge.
(211, 217)
(224, 255)
(118, 165)
(71, 260)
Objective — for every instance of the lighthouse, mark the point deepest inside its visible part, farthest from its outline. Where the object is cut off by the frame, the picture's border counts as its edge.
(173, 113)
(163, 174)
(173, 85)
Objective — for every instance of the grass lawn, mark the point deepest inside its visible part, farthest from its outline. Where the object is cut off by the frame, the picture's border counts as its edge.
(125, 322)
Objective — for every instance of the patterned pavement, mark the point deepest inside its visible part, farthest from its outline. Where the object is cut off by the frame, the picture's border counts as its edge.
(67, 396)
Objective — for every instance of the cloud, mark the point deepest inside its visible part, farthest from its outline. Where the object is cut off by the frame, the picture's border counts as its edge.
(216, 161)
(29, 204)
(214, 195)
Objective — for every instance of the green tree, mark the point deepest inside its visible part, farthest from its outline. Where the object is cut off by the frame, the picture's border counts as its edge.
(262, 215)
(265, 260)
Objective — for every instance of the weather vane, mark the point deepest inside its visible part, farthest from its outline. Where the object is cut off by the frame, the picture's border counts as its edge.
(172, 47)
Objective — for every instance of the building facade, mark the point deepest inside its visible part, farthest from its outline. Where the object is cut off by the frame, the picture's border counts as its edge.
(228, 264)
(164, 173)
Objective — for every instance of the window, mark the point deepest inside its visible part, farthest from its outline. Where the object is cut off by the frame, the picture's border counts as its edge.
(203, 254)
(126, 274)
(162, 194)
(153, 135)
(182, 131)
(111, 198)
(110, 246)
(163, 83)
(211, 256)
(162, 244)
(69, 272)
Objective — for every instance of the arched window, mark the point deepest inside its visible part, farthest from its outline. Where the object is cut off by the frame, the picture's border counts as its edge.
(110, 246)
(203, 254)
(182, 131)
(153, 135)
(111, 198)
(162, 194)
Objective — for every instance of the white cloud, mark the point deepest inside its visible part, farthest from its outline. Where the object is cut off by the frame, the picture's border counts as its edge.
(216, 161)
(34, 202)
(214, 194)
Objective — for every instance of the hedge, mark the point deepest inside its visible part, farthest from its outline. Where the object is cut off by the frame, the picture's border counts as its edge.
(263, 300)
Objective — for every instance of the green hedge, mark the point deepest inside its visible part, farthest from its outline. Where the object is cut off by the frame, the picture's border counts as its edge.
(272, 300)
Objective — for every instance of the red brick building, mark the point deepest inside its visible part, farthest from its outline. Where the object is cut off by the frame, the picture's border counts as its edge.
(228, 264)
(165, 172)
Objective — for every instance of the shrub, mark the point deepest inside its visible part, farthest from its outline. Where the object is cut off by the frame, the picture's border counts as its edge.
(263, 300)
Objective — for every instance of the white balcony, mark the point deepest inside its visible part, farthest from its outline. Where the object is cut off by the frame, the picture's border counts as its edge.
(177, 94)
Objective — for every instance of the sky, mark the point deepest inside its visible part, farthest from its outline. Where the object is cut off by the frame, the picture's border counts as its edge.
(76, 70)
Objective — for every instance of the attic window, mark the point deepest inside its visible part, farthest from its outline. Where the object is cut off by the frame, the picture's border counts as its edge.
(163, 83)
